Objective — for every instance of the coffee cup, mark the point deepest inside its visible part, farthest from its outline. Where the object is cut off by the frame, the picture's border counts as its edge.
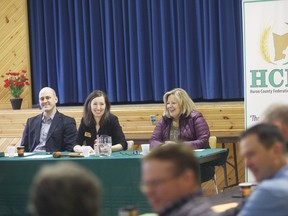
(245, 188)
(20, 151)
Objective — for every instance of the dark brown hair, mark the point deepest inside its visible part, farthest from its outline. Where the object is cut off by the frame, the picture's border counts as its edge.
(267, 134)
(65, 188)
(88, 115)
(181, 155)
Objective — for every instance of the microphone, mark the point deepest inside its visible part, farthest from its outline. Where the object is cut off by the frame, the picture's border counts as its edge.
(60, 154)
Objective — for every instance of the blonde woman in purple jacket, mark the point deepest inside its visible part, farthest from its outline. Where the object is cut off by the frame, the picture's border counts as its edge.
(181, 122)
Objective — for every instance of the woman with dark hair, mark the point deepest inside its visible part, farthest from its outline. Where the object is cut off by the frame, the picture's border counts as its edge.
(98, 120)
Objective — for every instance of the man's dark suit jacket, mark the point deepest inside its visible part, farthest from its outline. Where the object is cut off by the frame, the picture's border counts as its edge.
(61, 136)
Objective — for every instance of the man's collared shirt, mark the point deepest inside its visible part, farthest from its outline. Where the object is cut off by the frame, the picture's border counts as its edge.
(45, 126)
(269, 197)
(191, 205)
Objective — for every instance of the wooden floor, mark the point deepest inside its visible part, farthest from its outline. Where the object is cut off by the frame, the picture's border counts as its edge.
(208, 188)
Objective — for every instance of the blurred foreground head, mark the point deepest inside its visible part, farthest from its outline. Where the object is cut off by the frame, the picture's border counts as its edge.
(63, 189)
(263, 148)
(169, 173)
(277, 114)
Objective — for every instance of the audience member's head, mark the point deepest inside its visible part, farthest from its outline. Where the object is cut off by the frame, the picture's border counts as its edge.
(169, 173)
(263, 148)
(48, 100)
(181, 98)
(65, 189)
(277, 114)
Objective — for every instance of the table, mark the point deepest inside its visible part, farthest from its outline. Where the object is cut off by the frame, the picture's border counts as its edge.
(231, 139)
(119, 174)
(211, 157)
(230, 198)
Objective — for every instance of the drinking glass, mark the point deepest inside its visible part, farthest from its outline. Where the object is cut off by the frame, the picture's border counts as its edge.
(145, 148)
(105, 145)
(86, 151)
(11, 151)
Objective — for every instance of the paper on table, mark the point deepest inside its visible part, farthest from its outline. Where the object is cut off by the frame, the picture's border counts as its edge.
(224, 207)
(198, 149)
(39, 156)
(16, 155)
(149, 214)
(29, 153)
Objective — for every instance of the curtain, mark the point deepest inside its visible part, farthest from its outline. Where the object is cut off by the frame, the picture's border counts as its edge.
(135, 51)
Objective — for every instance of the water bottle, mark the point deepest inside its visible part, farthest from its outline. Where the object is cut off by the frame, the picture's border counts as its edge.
(96, 147)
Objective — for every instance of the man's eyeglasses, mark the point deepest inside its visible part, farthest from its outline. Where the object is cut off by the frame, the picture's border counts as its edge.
(156, 183)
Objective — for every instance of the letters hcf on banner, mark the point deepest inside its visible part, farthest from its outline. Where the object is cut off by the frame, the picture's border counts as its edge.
(265, 43)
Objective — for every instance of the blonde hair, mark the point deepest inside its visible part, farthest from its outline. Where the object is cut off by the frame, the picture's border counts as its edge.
(185, 102)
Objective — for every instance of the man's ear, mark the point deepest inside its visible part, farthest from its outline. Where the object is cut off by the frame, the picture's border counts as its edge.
(285, 131)
(56, 99)
(189, 175)
(278, 148)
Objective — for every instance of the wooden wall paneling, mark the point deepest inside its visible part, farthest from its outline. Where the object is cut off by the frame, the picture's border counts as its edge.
(14, 46)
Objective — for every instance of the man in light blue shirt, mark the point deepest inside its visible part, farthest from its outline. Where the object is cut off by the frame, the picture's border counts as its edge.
(263, 148)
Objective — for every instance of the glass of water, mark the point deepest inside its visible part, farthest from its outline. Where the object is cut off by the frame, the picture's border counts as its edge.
(105, 145)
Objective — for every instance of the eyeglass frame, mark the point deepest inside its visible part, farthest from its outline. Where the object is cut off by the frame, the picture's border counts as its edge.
(156, 183)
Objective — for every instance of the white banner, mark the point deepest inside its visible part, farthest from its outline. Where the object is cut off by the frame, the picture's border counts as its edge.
(265, 43)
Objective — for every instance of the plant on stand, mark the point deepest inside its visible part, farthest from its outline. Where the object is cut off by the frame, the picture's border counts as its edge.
(15, 82)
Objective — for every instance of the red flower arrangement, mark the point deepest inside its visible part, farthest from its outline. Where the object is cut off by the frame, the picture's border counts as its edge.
(16, 82)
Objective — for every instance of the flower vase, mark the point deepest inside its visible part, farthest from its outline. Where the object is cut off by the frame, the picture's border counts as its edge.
(16, 103)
